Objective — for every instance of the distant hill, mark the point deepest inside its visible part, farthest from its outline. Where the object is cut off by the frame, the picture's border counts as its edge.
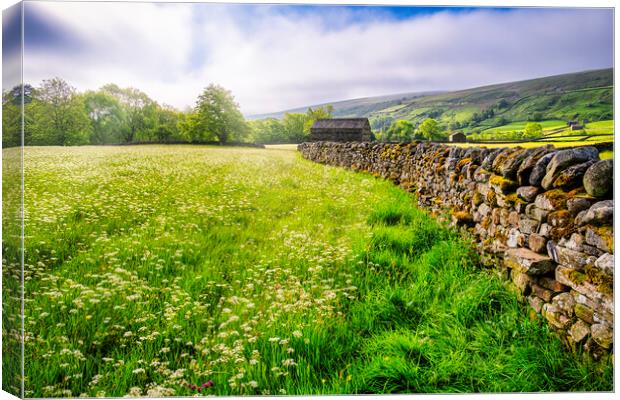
(587, 94)
(355, 107)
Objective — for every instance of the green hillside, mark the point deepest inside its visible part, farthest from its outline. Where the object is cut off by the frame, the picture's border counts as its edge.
(579, 95)
(355, 107)
(570, 96)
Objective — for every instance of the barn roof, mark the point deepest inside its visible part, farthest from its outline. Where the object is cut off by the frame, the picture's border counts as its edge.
(341, 123)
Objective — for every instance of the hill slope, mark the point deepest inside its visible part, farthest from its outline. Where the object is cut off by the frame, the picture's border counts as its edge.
(587, 94)
(355, 107)
(579, 95)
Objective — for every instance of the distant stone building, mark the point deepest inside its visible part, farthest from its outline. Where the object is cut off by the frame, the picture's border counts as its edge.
(576, 127)
(458, 137)
(341, 130)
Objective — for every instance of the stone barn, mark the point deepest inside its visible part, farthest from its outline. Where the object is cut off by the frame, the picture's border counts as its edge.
(341, 130)
(458, 137)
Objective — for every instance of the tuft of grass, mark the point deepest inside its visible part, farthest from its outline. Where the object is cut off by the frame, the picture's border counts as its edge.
(392, 213)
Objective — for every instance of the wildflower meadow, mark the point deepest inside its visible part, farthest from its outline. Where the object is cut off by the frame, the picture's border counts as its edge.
(210, 270)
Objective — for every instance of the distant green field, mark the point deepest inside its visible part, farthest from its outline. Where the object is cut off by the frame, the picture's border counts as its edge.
(553, 130)
(519, 126)
(608, 124)
(600, 127)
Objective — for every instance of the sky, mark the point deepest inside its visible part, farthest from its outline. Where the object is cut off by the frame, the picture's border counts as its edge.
(275, 57)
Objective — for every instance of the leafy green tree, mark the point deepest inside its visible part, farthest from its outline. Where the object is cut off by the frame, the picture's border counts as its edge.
(400, 131)
(138, 109)
(218, 115)
(165, 126)
(537, 116)
(270, 130)
(380, 124)
(532, 130)
(323, 112)
(294, 125)
(454, 125)
(106, 115)
(502, 121)
(435, 113)
(189, 128)
(59, 115)
(12, 117)
(430, 129)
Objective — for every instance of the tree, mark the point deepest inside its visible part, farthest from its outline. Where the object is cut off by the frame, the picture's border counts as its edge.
(454, 125)
(59, 115)
(430, 129)
(269, 130)
(292, 128)
(400, 131)
(537, 116)
(189, 128)
(166, 124)
(218, 115)
(381, 124)
(12, 117)
(502, 121)
(532, 130)
(475, 117)
(138, 109)
(294, 125)
(106, 116)
(323, 112)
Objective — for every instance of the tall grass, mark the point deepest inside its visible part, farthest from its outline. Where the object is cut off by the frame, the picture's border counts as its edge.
(434, 321)
(157, 269)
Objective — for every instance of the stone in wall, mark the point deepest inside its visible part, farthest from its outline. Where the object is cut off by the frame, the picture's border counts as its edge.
(598, 179)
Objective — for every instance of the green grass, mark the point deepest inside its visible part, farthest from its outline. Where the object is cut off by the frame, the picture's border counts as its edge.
(153, 268)
(600, 127)
(519, 126)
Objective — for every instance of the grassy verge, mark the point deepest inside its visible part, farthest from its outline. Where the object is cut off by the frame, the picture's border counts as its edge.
(182, 270)
(433, 321)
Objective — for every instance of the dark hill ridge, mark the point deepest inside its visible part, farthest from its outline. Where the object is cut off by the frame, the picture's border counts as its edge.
(587, 94)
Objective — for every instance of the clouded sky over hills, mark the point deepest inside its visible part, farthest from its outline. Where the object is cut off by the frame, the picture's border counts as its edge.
(279, 57)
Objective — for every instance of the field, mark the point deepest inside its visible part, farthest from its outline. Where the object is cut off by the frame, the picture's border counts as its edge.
(519, 126)
(195, 270)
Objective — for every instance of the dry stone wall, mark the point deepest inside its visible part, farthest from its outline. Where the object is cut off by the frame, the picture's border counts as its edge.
(543, 216)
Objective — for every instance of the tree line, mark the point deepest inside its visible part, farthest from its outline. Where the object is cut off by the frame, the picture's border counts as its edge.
(531, 131)
(405, 131)
(292, 128)
(56, 114)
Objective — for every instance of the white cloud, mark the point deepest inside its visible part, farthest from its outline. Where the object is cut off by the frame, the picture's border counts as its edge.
(274, 60)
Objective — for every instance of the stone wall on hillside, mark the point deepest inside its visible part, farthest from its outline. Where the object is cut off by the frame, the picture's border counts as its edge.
(544, 216)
